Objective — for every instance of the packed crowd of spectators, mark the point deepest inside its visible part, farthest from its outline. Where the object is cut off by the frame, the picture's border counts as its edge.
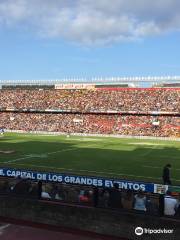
(157, 99)
(87, 101)
(113, 198)
(160, 126)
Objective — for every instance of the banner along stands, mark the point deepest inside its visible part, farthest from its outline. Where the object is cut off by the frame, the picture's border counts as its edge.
(77, 179)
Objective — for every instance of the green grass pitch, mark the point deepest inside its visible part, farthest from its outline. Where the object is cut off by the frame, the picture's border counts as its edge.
(131, 159)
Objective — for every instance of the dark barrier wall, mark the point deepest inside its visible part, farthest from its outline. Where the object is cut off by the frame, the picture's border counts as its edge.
(110, 211)
(105, 221)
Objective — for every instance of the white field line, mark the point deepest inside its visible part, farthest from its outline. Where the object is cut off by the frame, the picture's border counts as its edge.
(146, 166)
(148, 144)
(84, 139)
(147, 152)
(31, 155)
(63, 150)
(80, 170)
(48, 153)
(92, 135)
(18, 159)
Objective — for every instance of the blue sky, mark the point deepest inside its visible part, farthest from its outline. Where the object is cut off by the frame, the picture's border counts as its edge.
(54, 43)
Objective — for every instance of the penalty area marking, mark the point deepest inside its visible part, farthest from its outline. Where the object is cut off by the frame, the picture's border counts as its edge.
(147, 152)
(43, 155)
(18, 159)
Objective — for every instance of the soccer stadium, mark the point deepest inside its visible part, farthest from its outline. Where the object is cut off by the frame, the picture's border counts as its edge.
(89, 120)
(91, 137)
(103, 129)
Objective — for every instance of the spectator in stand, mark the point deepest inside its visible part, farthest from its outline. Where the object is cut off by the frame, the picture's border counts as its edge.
(44, 193)
(54, 190)
(5, 187)
(115, 200)
(152, 205)
(59, 196)
(95, 196)
(178, 208)
(140, 201)
(170, 204)
(103, 197)
(39, 189)
(72, 195)
(33, 192)
(84, 196)
(22, 187)
(127, 199)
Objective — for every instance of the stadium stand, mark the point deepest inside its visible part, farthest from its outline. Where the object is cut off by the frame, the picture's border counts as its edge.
(100, 99)
(90, 123)
(105, 110)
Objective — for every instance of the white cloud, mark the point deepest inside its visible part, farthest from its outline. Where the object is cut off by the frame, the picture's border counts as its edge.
(12, 11)
(93, 21)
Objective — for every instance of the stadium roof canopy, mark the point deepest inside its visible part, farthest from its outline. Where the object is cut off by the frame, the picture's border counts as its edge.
(97, 80)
